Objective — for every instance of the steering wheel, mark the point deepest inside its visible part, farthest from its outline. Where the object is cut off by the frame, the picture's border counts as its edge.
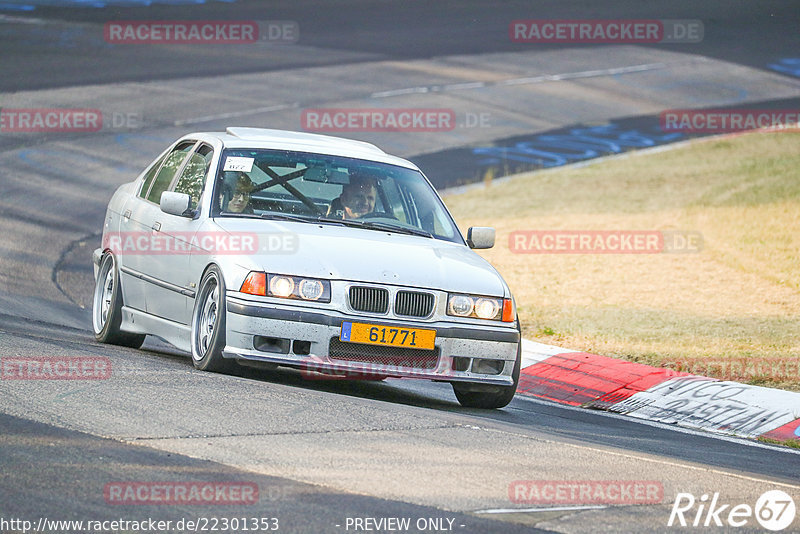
(378, 215)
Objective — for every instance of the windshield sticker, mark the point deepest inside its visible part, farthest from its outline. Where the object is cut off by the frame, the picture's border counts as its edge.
(238, 164)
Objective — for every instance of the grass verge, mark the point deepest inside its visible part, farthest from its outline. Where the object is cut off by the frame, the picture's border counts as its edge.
(731, 310)
(793, 443)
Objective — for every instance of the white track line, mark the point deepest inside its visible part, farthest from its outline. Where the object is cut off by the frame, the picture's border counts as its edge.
(545, 78)
(242, 113)
(528, 510)
(439, 88)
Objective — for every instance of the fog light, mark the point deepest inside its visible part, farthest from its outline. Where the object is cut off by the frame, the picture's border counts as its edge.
(278, 345)
(488, 367)
(460, 363)
(301, 348)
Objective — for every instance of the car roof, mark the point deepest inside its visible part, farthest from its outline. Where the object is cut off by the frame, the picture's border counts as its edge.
(241, 137)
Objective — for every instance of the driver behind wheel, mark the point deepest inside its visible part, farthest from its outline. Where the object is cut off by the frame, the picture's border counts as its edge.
(357, 198)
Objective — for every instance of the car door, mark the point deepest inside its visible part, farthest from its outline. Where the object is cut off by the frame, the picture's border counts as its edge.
(172, 295)
(123, 240)
(141, 233)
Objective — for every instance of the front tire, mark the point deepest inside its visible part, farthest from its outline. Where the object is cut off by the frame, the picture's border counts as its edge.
(208, 324)
(107, 307)
(492, 397)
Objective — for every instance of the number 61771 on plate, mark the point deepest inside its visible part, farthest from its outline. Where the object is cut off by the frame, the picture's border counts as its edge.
(388, 335)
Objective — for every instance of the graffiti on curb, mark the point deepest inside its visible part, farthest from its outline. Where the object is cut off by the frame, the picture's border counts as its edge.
(713, 405)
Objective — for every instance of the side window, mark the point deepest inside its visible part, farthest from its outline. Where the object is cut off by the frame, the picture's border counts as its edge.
(194, 174)
(431, 217)
(171, 165)
(394, 196)
(148, 178)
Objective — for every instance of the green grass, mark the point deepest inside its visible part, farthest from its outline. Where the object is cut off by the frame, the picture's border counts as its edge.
(793, 443)
(739, 298)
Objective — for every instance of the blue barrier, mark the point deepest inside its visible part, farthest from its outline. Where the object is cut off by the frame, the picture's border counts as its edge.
(31, 5)
(549, 150)
(787, 65)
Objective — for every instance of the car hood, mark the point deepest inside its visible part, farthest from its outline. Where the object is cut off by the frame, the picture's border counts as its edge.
(344, 253)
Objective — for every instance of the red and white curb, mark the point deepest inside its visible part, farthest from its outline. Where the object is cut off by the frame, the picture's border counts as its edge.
(657, 394)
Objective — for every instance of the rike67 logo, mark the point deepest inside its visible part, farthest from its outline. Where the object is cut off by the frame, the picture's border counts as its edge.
(774, 510)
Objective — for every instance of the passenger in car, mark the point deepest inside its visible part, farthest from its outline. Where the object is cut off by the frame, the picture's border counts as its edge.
(239, 201)
(357, 198)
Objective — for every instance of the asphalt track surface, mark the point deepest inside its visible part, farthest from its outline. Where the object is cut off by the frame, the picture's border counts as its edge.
(323, 451)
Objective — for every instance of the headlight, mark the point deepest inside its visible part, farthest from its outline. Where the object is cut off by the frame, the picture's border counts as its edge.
(489, 308)
(460, 305)
(281, 286)
(287, 287)
(296, 287)
(311, 289)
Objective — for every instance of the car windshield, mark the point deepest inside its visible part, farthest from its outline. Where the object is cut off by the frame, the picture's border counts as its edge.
(313, 187)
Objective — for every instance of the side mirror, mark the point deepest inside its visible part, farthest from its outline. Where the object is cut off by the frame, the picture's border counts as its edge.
(176, 204)
(480, 237)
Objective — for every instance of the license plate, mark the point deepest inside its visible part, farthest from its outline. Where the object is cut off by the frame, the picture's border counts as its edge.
(387, 335)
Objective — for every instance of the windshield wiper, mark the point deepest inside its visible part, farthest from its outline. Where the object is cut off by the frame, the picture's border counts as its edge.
(369, 225)
(399, 229)
(225, 214)
(373, 225)
(288, 217)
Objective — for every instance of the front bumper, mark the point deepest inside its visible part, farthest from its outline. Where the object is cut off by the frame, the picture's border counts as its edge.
(302, 338)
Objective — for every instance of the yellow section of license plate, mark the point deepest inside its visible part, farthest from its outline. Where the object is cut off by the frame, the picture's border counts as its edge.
(388, 335)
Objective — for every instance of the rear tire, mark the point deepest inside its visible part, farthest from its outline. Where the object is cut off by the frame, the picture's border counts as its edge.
(107, 307)
(208, 324)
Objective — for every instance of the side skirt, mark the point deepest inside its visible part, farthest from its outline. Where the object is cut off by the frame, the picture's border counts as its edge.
(173, 333)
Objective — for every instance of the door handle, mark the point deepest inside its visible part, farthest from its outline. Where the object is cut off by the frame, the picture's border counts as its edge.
(156, 226)
(127, 214)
